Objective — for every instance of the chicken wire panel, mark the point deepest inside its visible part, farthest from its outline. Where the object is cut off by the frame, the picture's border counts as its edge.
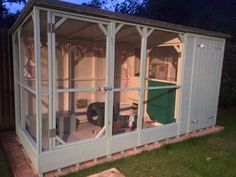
(163, 55)
(163, 52)
(125, 111)
(45, 123)
(80, 55)
(127, 57)
(29, 113)
(27, 57)
(44, 51)
(79, 116)
(17, 63)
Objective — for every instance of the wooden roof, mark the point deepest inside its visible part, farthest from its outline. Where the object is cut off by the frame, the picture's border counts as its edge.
(74, 8)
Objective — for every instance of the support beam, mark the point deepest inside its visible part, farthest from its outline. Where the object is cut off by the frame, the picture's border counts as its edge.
(38, 79)
(50, 78)
(110, 74)
(103, 29)
(60, 22)
(119, 27)
(144, 34)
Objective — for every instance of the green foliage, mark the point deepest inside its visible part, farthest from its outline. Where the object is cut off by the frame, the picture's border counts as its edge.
(228, 81)
(4, 168)
(95, 3)
(6, 19)
(129, 7)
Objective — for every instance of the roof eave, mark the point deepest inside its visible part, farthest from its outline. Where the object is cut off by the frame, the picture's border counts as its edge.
(65, 6)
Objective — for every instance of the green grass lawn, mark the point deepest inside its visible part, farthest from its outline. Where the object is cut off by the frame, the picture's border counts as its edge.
(4, 168)
(210, 156)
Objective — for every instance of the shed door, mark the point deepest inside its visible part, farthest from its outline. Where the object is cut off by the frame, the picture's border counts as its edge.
(205, 83)
(79, 80)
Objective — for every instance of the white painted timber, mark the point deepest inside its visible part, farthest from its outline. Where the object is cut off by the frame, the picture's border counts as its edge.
(186, 85)
(208, 59)
(124, 141)
(161, 132)
(72, 155)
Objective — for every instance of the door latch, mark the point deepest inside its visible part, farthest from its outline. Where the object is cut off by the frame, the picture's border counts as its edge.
(104, 89)
(194, 121)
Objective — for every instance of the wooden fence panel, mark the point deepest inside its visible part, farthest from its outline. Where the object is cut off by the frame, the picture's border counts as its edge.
(7, 118)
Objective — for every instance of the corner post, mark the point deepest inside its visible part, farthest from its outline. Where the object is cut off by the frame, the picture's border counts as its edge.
(144, 35)
(38, 79)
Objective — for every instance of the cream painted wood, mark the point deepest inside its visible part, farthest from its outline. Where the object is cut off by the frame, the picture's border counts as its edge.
(188, 56)
(124, 141)
(71, 155)
(150, 135)
(205, 82)
(198, 95)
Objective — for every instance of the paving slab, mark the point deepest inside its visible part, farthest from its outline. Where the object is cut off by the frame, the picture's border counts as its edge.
(113, 172)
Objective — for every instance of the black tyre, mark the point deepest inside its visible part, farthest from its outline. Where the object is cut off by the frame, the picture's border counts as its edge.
(95, 113)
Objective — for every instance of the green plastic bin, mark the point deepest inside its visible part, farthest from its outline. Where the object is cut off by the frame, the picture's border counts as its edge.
(161, 103)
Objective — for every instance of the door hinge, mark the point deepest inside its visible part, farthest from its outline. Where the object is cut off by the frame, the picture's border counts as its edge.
(51, 27)
(52, 133)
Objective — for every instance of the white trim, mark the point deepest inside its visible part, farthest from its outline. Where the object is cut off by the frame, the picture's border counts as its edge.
(38, 80)
(50, 82)
(162, 87)
(28, 147)
(53, 70)
(78, 143)
(191, 85)
(105, 21)
(103, 29)
(60, 22)
(125, 89)
(119, 27)
(60, 140)
(112, 39)
(180, 71)
(29, 89)
(16, 85)
(77, 17)
(180, 79)
(150, 32)
(72, 90)
(101, 132)
(143, 66)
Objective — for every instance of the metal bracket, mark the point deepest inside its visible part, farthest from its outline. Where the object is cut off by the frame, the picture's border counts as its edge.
(105, 89)
(194, 121)
(211, 117)
(51, 27)
(52, 133)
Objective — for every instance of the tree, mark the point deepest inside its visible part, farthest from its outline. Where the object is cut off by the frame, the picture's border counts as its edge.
(130, 7)
(95, 3)
(7, 19)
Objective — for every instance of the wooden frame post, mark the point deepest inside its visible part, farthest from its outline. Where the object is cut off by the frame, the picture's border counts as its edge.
(110, 95)
(144, 35)
(38, 79)
(50, 78)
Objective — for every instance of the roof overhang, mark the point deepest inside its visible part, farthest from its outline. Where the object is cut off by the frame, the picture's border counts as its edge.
(79, 9)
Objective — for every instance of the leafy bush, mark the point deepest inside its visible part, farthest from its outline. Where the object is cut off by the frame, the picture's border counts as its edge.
(228, 81)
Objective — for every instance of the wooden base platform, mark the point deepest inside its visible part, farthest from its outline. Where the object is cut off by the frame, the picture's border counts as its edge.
(21, 167)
